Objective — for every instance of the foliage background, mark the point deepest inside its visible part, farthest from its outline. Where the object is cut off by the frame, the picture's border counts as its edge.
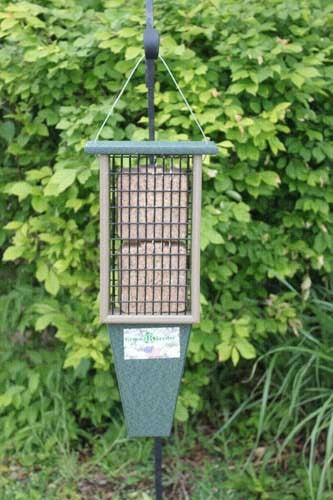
(260, 77)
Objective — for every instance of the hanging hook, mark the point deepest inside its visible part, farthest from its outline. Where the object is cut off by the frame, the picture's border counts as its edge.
(151, 38)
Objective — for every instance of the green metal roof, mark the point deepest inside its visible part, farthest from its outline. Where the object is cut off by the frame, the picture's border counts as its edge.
(151, 147)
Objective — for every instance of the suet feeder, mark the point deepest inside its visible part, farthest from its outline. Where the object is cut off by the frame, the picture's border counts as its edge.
(150, 202)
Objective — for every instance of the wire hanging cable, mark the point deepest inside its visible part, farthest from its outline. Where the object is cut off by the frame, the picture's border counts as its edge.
(150, 77)
(184, 98)
(117, 98)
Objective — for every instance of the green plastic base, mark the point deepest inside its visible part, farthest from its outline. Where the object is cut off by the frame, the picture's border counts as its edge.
(148, 387)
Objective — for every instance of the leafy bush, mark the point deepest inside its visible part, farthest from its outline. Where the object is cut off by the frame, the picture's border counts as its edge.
(43, 408)
(260, 78)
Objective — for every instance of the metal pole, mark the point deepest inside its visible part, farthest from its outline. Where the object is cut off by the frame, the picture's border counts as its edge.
(151, 45)
(158, 468)
(150, 69)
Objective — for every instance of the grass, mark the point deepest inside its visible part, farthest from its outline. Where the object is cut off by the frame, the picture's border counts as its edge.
(198, 464)
(293, 396)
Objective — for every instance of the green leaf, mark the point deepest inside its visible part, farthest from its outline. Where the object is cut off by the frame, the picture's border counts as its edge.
(60, 181)
(224, 351)
(33, 382)
(12, 253)
(241, 212)
(207, 325)
(234, 356)
(44, 321)
(20, 189)
(42, 271)
(226, 144)
(127, 32)
(52, 283)
(234, 195)
(241, 326)
(297, 80)
(215, 237)
(270, 178)
(276, 145)
(133, 52)
(14, 224)
(181, 413)
(253, 179)
(246, 349)
(307, 71)
(6, 399)
(320, 242)
(63, 124)
(279, 111)
(7, 130)
(39, 204)
(248, 152)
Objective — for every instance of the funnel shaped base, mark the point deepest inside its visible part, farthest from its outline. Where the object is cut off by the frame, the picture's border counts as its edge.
(148, 387)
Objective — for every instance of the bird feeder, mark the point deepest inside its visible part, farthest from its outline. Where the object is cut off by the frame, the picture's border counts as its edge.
(150, 202)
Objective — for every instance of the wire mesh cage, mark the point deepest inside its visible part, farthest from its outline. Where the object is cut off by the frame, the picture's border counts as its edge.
(150, 202)
(150, 236)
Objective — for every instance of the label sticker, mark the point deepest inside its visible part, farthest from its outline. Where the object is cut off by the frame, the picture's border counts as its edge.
(151, 343)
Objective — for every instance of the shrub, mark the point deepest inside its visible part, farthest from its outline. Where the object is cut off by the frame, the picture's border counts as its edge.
(260, 78)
